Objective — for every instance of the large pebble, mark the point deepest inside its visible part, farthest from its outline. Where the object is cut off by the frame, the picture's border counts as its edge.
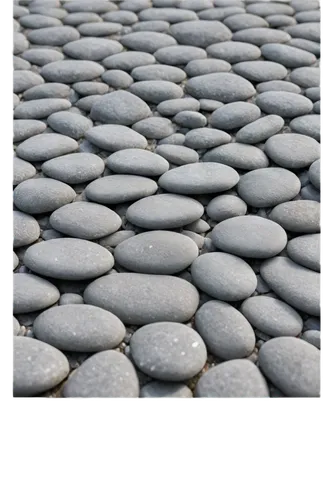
(22, 171)
(206, 138)
(24, 80)
(260, 36)
(147, 41)
(260, 130)
(96, 6)
(200, 33)
(138, 299)
(156, 252)
(74, 168)
(178, 55)
(56, 36)
(23, 129)
(70, 71)
(170, 352)
(278, 85)
(238, 22)
(226, 206)
(32, 293)
(299, 216)
(79, 328)
(154, 127)
(70, 124)
(26, 229)
(234, 52)
(46, 91)
(260, 71)
(128, 60)
(113, 189)
(199, 67)
(309, 31)
(115, 137)
(174, 106)
(37, 196)
(40, 108)
(237, 155)
(292, 151)
(41, 56)
(137, 162)
(224, 87)
(314, 174)
(121, 108)
(307, 125)
(305, 250)
(92, 49)
(285, 104)
(179, 155)
(156, 91)
(290, 57)
(158, 72)
(43, 147)
(223, 276)
(234, 115)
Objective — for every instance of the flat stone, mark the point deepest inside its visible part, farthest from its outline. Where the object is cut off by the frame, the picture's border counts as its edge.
(200, 33)
(48, 11)
(171, 107)
(89, 221)
(23, 129)
(137, 162)
(115, 239)
(117, 78)
(115, 137)
(37, 196)
(160, 26)
(242, 21)
(165, 390)
(159, 72)
(92, 48)
(268, 187)
(147, 41)
(306, 77)
(305, 250)
(312, 337)
(154, 127)
(313, 93)
(77, 18)
(124, 17)
(87, 102)
(206, 138)
(70, 71)
(174, 139)
(199, 67)
(24, 80)
(22, 171)
(309, 31)
(20, 64)
(223, 276)
(265, 9)
(234, 52)
(260, 71)
(26, 229)
(308, 192)
(234, 115)
(56, 36)
(307, 125)
(20, 43)
(166, 12)
(40, 57)
(285, 104)
(156, 252)
(316, 107)
(97, 6)
(38, 367)
(260, 130)
(74, 168)
(128, 60)
(237, 378)
(156, 91)
(308, 45)
(164, 211)
(170, 352)
(300, 216)
(260, 36)
(190, 119)
(70, 124)
(32, 293)
(290, 57)
(226, 206)
(237, 155)
(113, 189)
(224, 87)
(79, 328)
(272, 316)
(90, 88)
(120, 107)
(35, 21)
(199, 178)
(178, 55)
(99, 29)
(225, 331)
(47, 90)
(292, 151)
(278, 85)
(138, 299)
(70, 298)
(314, 174)
(68, 258)
(107, 374)
(178, 155)
(40, 108)
(45, 146)
(292, 365)
(295, 284)
(249, 236)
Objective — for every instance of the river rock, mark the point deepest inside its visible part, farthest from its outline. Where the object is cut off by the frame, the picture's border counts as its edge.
(165, 390)
(113, 189)
(115, 137)
(70, 71)
(137, 162)
(292, 151)
(120, 107)
(32, 293)
(43, 147)
(225, 206)
(285, 104)
(237, 155)
(234, 52)
(299, 216)
(224, 87)
(200, 33)
(74, 168)
(234, 115)
(305, 250)
(260, 130)
(37, 196)
(26, 229)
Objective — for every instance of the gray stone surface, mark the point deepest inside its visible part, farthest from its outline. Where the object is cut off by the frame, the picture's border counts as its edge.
(40, 108)
(42, 56)
(92, 48)
(120, 108)
(154, 127)
(159, 72)
(46, 146)
(171, 107)
(299, 216)
(179, 155)
(260, 71)
(291, 57)
(305, 250)
(224, 87)
(147, 41)
(234, 115)
(69, 124)
(234, 52)
(292, 151)
(26, 229)
(16, 327)
(70, 71)
(237, 155)
(206, 138)
(226, 206)
(56, 36)
(313, 337)
(23, 129)
(70, 298)
(307, 125)
(74, 168)
(238, 22)
(113, 189)
(15, 261)
(117, 79)
(199, 67)
(165, 390)
(200, 33)
(306, 77)
(32, 293)
(314, 174)
(260, 130)
(128, 60)
(115, 137)
(156, 91)
(179, 54)
(285, 104)
(47, 90)
(37, 196)
(24, 80)
(190, 119)
(260, 36)
(90, 88)
(137, 162)
(277, 86)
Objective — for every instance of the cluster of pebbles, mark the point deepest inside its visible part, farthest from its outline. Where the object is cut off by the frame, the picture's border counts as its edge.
(166, 198)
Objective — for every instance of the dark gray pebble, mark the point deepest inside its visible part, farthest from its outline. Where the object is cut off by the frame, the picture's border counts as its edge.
(92, 48)
(260, 130)
(312, 337)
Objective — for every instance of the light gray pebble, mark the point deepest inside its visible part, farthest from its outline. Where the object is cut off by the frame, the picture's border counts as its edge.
(280, 20)
(71, 71)
(16, 327)
(200, 33)
(128, 60)
(147, 41)
(309, 31)
(313, 93)
(314, 174)
(260, 130)
(35, 21)
(190, 119)
(99, 29)
(137, 162)
(197, 238)
(278, 86)
(20, 64)
(74, 168)
(23, 129)
(48, 11)
(242, 21)
(40, 108)
(171, 107)
(92, 48)
(47, 90)
(115, 137)
(308, 16)
(175, 139)
(86, 103)
(312, 337)
(56, 36)
(306, 77)
(206, 138)
(237, 155)
(76, 18)
(69, 124)
(260, 36)
(154, 127)
(43, 147)
(219, 13)
(51, 234)
(123, 17)
(156, 91)
(168, 11)
(20, 43)
(316, 107)
(22, 171)
(70, 298)
(178, 55)
(97, 6)
(159, 72)
(24, 80)
(198, 226)
(42, 56)
(260, 71)
(300, 216)
(113, 189)
(224, 87)
(199, 67)
(15, 261)
(179, 155)
(226, 206)
(307, 125)
(117, 78)
(209, 105)
(25, 228)
(234, 115)
(120, 108)
(160, 26)
(37, 196)
(292, 151)
(308, 45)
(116, 238)
(285, 104)
(289, 56)
(165, 389)
(90, 88)
(234, 52)
(32, 293)
(305, 250)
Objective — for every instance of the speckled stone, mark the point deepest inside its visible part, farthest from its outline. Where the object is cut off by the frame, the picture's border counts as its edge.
(137, 162)
(278, 85)
(37, 196)
(40, 108)
(285, 104)
(23, 129)
(26, 229)
(165, 390)
(113, 189)
(92, 48)
(206, 138)
(305, 250)
(179, 155)
(54, 36)
(234, 52)
(117, 78)
(314, 174)
(260, 36)
(200, 33)
(156, 91)
(154, 127)
(237, 155)
(147, 41)
(199, 67)
(260, 130)
(120, 108)
(260, 71)
(47, 90)
(32, 293)
(171, 107)
(74, 168)
(224, 87)
(291, 57)
(22, 171)
(179, 55)
(234, 115)
(24, 80)
(292, 151)
(115, 137)
(307, 125)
(70, 71)
(43, 147)
(299, 216)
(41, 56)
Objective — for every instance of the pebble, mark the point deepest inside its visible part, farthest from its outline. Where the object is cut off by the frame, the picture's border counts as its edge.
(41, 56)
(92, 49)
(261, 36)
(156, 252)
(314, 174)
(79, 328)
(43, 147)
(178, 55)
(234, 52)
(156, 91)
(47, 90)
(226, 206)
(88, 221)
(32, 293)
(305, 250)
(225, 331)
(289, 56)
(168, 13)
(234, 115)
(115, 137)
(37, 196)
(23, 129)
(171, 107)
(312, 337)
(15, 261)
(280, 20)
(306, 77)
(165, 390)
(91, 88)
(70, 71)
(147, 41)
(158, 72)
(223, 276)
(175, 139)
(292, 151)
(199, 67)
(70, 298)
(154, 127)
(292, 365)
(99, 29)
(164, 211)
(69, 124)
(20, 64)
(316, 107)
(307, 125)
(26, 229)
(137, 162)
(300, 216)
(246, 20)
(128, 60)
(107, 374)
(307, 45)
(268, 187)
(56, 36)
(313, 93)
(190, 119)
(113, 189)
(206, 138)
(160, 26)
(22, 171)
(285, 104)
(199, 178)
(200, 33)
(16, 327)
(308, 192)
(308, 31)
(116, 238)
(121, 16)
(38, 367)
(278, 85)
(24, 80)
(260, 130)
(97, 6)
(237, 378)
(78, 18)
(117, 78)
(40, 108)
(74, 168)
(272, 316)
(138, 299)
(68, 258)
(249, 236)
(34, 21)
(178, 155)
(20, 43)
(237, 155)
(295, 284)
(224, 87)
(260, 71)
(167, 351)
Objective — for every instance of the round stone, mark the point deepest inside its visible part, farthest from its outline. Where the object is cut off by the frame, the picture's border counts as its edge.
(165, 390)
(128, 60)
(113, 189)
(307, 125)
(225, 331)
(206, 138)
(178, 55)
(40, 108)
(24, 80)
(89, 221)
(16, 326)
(164, 211)
(156, 91)
(178, 155)
(260, 130)
(45, 146)
(38, 367)
(99, 29)
(156, 252)
(292, 365)
(68, 258)
(154, 127)
(115, 137)
(26, 229)
(295, 284)
(199, 67)
(175, 139)
(260, 36)
(170, 352)
(117, 78)
(260, 71)
(90, 88)
(285, 104)
(23, 129)
(47, 91)
(224, 87)
(237, 378)
(234, 115)
(171, 107)
(22, 171)
(70, 71)
(138, 299)
(190, 119)
(314, 174)
(268, 187)
(107, 374)
(299, 216)
(272, 316)
(74, 168)
(79, 328)
(289, 56)
(199, 178)
(309, 31)
(41, 56)
(242, 21)
(137, 162)
(292, 151)
(225, 206)
(56, 36)
(32, 293)
(305, 250)
(200, 33)
(70, 124)
(223, 276)
(36, 196)
(70, 298)
(234, 52)
(147, 41)
(308, 45)
(92, 49)
(120, 108)
(237, 155)
(34, 21)
(249, 236)
(278, 85)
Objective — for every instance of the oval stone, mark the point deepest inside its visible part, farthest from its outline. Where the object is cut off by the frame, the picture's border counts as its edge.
(314, 174)
(69, 124)
(224, 87)
(70, 71)
(115, 137)
(113, 189)
(260, 130)
(285, 104)
(74, 168)
(200, 33)
(165, 389)
(32, 293)
(37, 196)
(40, 108)
(55, 36)
(234, 52)
(307, 125)
(147, 41)
(299, 216)
(92, 49)
(159, 72)
(206, 138)
(43, 147)
(306, 77)
(41, 56)
(120, 107)
(26, 229)
(289, 56)
(156, 91)
(260, 71)
(234, 115)
(137, 162)
(179, 55)
(237, 155)
(171, 107)
(47, 91)
(176, 154)
(199, 67)
(305, 250)
(292, 151)
(225, 206)
(260, 36)
(23, 129)
(22, 170)
(128, 60)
